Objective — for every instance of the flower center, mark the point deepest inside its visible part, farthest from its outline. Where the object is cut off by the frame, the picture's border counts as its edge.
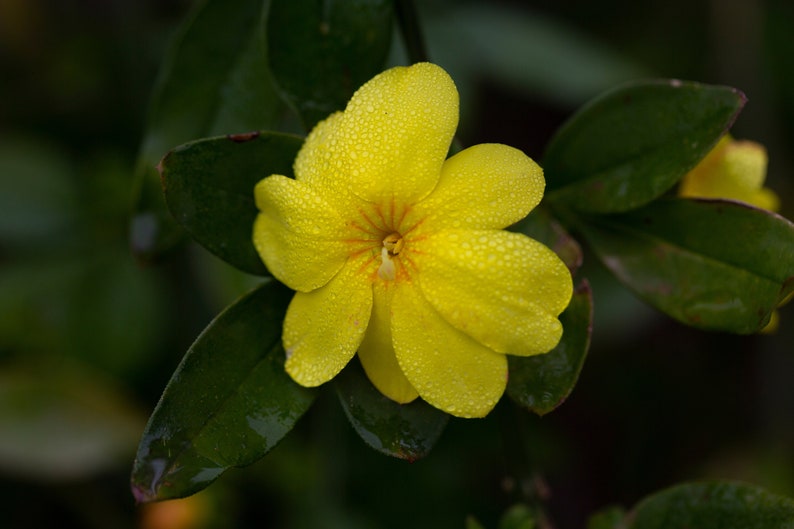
(392, 245)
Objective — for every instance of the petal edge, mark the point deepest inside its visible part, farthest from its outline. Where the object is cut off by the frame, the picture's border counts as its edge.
(450, 371)
(319, 336)
(297, 233)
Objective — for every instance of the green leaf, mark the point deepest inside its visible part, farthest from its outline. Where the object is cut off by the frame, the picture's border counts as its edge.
(713, 505)
(228, 403)
(542, 227)
(543, 382)
(321, 52)
(213, 81)
(630, 145)
(711, 264)
(209, 188)
(406, 431)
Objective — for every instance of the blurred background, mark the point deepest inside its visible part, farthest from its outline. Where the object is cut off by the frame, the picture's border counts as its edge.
(89, 337)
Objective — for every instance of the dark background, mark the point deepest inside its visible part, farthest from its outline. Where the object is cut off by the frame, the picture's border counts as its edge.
(89, 338)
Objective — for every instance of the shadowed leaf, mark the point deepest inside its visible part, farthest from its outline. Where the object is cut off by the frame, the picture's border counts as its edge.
(214, 80)
(713, 505)
(712, 264)
(209, 188)
(321, 52)
(406, 431)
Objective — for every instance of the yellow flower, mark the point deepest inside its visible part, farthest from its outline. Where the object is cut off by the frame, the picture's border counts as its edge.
(399, 254)
(735, 170)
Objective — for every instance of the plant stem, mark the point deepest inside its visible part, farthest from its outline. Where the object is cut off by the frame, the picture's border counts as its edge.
(408, 20)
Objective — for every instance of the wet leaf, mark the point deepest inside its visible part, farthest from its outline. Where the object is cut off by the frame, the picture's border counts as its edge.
(543, 382)
(321, 52)
(713, 505)
(711, 264)
(631, 144)
(209, 188)
(406, 431)
(228, 403)
(214, 80)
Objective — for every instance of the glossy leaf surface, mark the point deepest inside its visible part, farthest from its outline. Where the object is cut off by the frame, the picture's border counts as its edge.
(543, 382)
(209, 188)
(214, 80)
(228, 403)
(711, 264)
(630, 145)
(713, 505)
(405, 431)
(321, 52)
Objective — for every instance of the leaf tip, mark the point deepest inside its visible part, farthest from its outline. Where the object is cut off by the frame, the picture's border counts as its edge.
(741, 95)
(160, 167)
(142, 494)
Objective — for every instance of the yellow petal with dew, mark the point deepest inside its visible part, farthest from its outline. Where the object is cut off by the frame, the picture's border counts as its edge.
(450, 370)
(488, 186)
(376, 352)
(297, 233)
(503, 289)
(313, 163)
(323, 328)
(320, 164)
(394, 135)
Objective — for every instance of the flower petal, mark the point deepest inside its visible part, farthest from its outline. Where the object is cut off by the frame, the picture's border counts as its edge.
(318, 163)
(317, 152)
(488, 186)
(297, 233)
(391, 139)
(323, 328)
(503, 289)
(766, 199)
(376, 352)
(734, 169)
(449, 370)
